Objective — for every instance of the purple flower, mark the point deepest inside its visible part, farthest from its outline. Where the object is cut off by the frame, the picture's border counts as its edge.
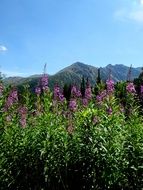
(130, 88)
(61, 97)
(103, 94)
(85, 102)
(88, 94)
(57, 94)
(9, 102)
(14, 94)
(23, 110)
(110, 86)
(45, 88)
(95, 120)
(44, 82)
(23, 122)
(43, 85)
(1, 89)
(38, 90)
(78, 93)
(100, 97)
(73, 105)
(75, 92)
(109, 110)
(23, 114)
(141, 89)
(12, 98)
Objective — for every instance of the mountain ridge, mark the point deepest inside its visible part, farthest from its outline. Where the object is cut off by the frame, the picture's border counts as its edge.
(73, 74)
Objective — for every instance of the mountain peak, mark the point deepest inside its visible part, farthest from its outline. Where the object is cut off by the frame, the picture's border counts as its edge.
(79, 64)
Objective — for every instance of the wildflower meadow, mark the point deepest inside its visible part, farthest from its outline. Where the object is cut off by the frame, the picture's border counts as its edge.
(91, 138)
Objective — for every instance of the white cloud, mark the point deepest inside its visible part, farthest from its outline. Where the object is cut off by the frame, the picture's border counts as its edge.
(136, 16)
(134, 12)
(141, 2)
(3, 48)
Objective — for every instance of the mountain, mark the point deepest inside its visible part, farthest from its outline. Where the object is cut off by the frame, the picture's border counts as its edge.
(119, 72)
(74, 73)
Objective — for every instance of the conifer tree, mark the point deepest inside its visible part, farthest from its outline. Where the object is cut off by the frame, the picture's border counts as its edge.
(67, 91)
(98, 80)
(82, 87)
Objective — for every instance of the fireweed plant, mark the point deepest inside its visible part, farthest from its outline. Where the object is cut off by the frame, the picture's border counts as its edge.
(92, 141)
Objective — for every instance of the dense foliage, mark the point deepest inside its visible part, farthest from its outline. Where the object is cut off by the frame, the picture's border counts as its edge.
(88, 140)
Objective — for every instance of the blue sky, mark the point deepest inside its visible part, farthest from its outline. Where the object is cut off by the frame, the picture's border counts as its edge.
(61, 32)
